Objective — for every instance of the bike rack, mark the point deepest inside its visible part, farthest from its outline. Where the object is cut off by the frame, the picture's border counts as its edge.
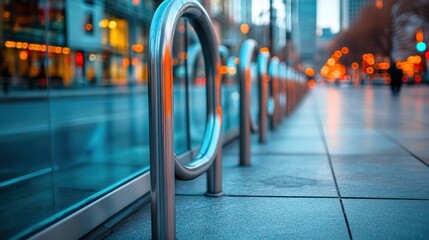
(164, 163)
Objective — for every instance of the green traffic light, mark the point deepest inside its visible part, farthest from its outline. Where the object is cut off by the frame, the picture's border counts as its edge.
(421, 46)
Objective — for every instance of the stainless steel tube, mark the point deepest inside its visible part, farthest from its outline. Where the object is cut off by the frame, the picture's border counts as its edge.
(160, 85)
(262, 64)
(273, 71)
(244, 71)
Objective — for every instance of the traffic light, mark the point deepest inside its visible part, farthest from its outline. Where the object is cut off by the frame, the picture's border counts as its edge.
(420, 45)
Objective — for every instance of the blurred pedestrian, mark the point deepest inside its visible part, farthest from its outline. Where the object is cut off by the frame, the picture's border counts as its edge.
(395, 78)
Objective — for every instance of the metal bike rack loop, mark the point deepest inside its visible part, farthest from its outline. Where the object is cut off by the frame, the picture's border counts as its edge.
(163, 162)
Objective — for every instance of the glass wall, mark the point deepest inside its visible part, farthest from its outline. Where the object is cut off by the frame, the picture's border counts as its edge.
(74, 114)
(74, 103)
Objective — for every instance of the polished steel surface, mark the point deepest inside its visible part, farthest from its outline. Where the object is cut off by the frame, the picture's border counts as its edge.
(263, 78)
(164, 164)
(273, 72)
(244, 72)
(282, 90)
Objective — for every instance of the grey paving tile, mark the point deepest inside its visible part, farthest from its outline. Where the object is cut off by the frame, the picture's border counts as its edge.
(283, 146)
(245, 218)
(271, 176)
(381, 176)
(387, 219)
(364, 146)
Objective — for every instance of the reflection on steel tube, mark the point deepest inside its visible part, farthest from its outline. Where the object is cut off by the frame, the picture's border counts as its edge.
(163, 162)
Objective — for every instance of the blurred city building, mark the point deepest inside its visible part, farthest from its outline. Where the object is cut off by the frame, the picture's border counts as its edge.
(351, 9)
(304, 29)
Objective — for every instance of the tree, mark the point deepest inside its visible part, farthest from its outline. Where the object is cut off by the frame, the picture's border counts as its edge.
(389, 31)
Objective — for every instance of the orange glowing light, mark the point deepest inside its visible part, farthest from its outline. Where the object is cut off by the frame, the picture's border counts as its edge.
(223, 70)
(244, 28)
(264, 50)
(137, 48)
(136, 2)
(232, 71)
(324, 71)
(104, 23)
(66, 50)
(338, 53)
(310, 72)
(57, 49)
(88, 27)
(311, 83)
(125, 62)
(379, 4)
(370, 70)
(420, 36)
(113, 24)
(134, 61)
(417, 59)
(10, 44)
(370, 61)
(23, 55)
(336, 74)
(355, 65)
(331, 62)
(345, 50)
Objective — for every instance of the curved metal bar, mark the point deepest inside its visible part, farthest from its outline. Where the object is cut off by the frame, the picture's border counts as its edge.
(262, 64)
(244, 71)
(194, 52)
(273, 71)
(161, 114)
(224, 52)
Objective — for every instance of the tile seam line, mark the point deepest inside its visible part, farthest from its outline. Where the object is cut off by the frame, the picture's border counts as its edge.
(305, 197)
(392, 139)
(328, 155)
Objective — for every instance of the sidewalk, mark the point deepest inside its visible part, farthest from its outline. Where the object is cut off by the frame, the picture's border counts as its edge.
(348, 163)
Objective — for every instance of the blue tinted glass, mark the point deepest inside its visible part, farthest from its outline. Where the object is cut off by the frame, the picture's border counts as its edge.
(73, 104)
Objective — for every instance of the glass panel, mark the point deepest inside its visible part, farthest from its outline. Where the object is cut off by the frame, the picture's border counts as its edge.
(181, 140)
(197, 88)
(99, 109)
(74, 108)
(25, 163)
(230, 96)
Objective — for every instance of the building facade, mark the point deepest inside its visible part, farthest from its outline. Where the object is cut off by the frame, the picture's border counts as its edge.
(304, 14)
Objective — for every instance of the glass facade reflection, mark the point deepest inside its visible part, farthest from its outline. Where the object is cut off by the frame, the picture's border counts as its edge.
(74, 105)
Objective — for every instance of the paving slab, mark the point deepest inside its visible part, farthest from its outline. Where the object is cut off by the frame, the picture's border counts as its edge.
(245, 218)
